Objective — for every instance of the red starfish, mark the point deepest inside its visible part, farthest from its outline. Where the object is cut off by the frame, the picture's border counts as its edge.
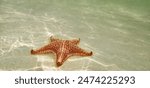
(63, 49)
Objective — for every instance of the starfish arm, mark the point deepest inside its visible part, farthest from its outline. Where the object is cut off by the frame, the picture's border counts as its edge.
(43, 50)
(50, 48)
(80, 52)
(61, 58)
(53, 39)
(75, 41)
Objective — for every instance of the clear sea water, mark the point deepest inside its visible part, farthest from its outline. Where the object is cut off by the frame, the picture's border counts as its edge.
(117, 31)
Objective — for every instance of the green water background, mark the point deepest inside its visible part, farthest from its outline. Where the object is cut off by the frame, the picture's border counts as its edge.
(117, 31)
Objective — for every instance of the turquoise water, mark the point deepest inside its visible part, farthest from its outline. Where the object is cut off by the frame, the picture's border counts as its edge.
(117, 31)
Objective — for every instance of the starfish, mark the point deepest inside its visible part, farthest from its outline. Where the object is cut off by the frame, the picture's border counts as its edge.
(63, 49)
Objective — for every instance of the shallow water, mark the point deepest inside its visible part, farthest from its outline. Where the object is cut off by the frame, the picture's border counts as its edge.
(118, 33)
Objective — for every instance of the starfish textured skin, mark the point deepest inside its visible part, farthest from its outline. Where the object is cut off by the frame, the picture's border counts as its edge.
(63, 49)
